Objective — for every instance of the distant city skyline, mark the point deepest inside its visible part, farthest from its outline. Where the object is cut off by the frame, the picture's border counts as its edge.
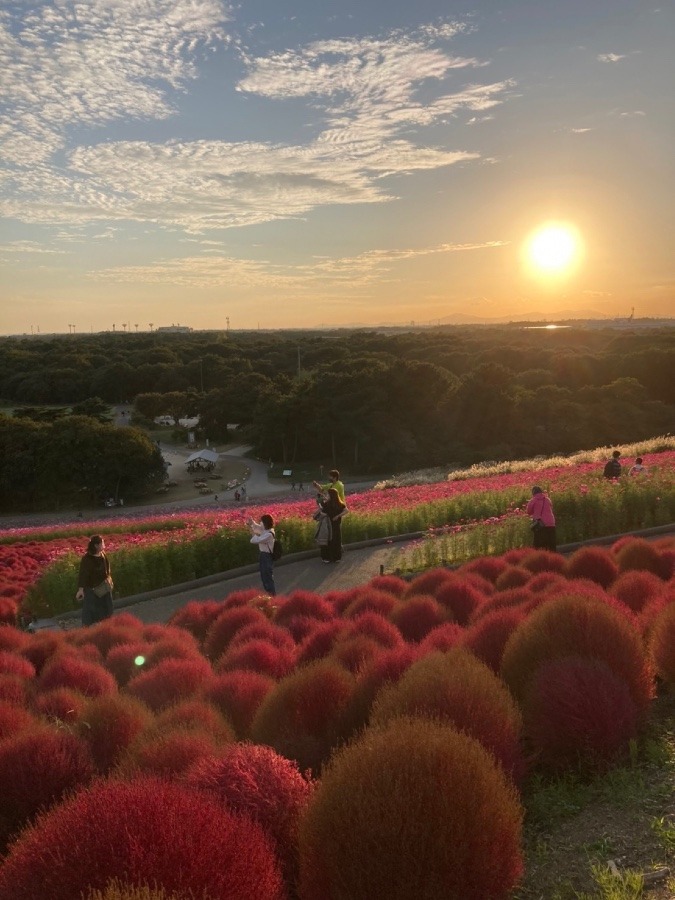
(295, 165)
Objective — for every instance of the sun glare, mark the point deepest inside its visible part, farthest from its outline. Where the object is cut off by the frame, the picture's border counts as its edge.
(553, 249)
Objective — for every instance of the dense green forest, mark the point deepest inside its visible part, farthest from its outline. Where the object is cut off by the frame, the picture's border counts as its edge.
(368, 400)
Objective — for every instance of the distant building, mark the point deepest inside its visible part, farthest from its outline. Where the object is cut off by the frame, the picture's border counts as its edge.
(174, 329)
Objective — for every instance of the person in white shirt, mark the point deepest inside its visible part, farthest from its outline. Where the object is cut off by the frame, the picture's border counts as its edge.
(262, 534)
(637, 468)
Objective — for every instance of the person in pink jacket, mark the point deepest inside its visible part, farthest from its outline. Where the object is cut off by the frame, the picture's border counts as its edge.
(543, 520)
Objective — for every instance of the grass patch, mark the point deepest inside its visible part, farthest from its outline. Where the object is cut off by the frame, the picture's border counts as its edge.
(611, 837)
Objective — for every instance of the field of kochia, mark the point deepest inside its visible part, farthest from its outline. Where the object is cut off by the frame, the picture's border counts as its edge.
(376, 742)
(476, 512)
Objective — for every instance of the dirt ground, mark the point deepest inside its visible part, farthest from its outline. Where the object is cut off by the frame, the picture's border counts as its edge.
(230, 473)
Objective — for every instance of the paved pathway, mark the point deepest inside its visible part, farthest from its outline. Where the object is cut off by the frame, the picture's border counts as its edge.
(308, 573)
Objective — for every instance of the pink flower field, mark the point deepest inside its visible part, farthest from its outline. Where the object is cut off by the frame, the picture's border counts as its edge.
(26, 554)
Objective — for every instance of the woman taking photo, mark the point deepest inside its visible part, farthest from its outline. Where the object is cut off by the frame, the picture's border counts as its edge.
(94, 584)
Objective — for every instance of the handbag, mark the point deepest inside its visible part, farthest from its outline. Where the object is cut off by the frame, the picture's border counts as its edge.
(102, 589)
(537, 525)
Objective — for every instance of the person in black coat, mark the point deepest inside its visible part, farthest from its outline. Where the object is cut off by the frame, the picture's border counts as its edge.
(335, 509)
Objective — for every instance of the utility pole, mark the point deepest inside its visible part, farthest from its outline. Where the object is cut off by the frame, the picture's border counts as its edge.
(150, 324)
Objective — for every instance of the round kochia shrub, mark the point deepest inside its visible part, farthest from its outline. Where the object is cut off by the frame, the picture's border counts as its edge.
(578, 626)
(238, 695)
(488, 637)
(37, 767)
(578, 714)
(256, 782)
(226, 625)
(170, 681)
(71, 671)
(413, 810)
(109, 725)
(662, 643)
(302, 717)
(117, 890)
(594, 563)
(459, 689)
(416, 615)
(144, 832)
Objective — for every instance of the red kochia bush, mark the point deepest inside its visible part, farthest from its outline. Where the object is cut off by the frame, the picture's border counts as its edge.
(14, 664)
(166, 754)
(386, 668)
(109, 725)
(413, 810)
(460, 598)
(43, 647)
(238, 695)
(37, 767)
(370, 600)
(489, 567)
(171, 680)
(108, 633)
(224, 628)
(14, 689)
(320, 641)
(595, 563)
(256, 782)
(197, 616)
(662, 643)
(61, 703)
(147, 831)
(578, 626)
(265, 631)
(636, 589)
(354, 652)
(512, 577)
(543, 561)
(392, 584)
(578, 714)
(487, 637)
(126, 660)
(8, 611)
(199, 715)
(240, 598)
(416, 616)
(637, 553)
(377, 628)
(68, 670)
(304, 603)
(14, 719)
(301, 717)
(429, 582)
(258, 656)
(442, 638)
(13, 640)
(460, 689)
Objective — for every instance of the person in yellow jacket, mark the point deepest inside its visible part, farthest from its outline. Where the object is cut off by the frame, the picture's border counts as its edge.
(334, 482)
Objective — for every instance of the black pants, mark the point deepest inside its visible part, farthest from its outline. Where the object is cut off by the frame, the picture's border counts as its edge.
(545, 538)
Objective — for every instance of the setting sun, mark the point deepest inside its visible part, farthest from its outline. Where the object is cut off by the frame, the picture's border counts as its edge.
(553, 249)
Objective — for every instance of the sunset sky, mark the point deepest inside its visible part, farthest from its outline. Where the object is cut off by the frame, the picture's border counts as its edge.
(297, 163)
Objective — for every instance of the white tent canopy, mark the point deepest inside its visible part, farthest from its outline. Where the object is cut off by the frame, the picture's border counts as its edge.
(206, 455)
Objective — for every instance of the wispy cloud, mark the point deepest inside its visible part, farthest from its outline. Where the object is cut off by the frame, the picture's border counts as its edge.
(91, 64)
(27, 247)
(611, 57)
(325, 274)
(88, 65)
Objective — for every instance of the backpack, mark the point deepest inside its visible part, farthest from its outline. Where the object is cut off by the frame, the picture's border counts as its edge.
(277, 550)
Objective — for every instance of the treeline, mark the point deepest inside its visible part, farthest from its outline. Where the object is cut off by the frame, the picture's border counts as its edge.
(74, 459)
(368, 400)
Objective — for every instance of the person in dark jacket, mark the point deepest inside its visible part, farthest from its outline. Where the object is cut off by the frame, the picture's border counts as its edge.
(335, 509)
(94, 583)
(613, 466)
